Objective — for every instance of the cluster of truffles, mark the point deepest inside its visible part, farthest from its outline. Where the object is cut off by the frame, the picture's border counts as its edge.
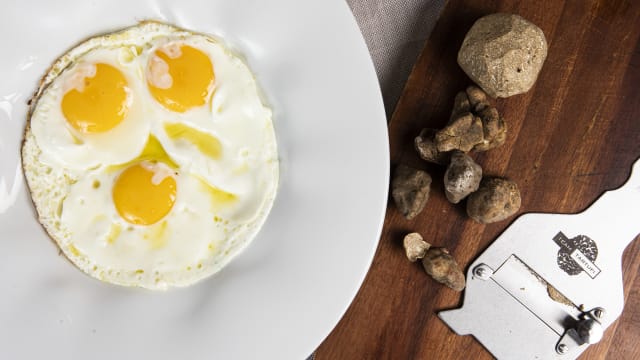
(475, 126)
(436, 261)
(503, 54)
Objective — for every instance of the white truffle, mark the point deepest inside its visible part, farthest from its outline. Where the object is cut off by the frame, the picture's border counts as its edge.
(503, 54)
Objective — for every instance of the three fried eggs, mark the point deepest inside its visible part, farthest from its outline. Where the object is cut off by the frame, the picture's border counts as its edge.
(150, 156)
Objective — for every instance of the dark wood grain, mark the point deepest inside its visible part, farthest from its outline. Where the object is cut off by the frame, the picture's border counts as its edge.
(571, 137)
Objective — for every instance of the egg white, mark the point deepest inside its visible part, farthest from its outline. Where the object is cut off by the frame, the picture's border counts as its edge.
(199, 235)
(183, 242)
(235, 115)
(62, 144)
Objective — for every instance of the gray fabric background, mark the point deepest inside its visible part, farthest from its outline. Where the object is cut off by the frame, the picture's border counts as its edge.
(395, 32)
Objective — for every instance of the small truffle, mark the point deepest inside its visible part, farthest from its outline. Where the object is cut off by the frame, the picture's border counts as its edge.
(426, 147)
(477, 99)
(495, 200)
(473, 101)
(462, 133)
(461, 105)
(503, 53)
(414, 246)
(494, 129)
(462, 177)
(438, 263)
(410, 190)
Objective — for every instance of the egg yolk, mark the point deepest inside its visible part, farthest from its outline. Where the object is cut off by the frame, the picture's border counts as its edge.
(143, 196)
(96, 103)
(180, 77)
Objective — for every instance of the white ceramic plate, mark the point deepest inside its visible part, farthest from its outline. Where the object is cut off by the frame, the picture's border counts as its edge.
(283, 295)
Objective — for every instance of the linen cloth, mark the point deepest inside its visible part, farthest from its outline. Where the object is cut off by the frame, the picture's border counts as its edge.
(395, 32)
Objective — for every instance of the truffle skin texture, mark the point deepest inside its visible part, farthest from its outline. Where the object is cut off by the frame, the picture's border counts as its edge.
(462, 177)
(494, 129)
(425, 145)
(495, 200)
(477, 99)
(474, 101)
(414, 246)
(461, 105)
(410, 190)
(503, 54)
(462, 133)
(443, 268)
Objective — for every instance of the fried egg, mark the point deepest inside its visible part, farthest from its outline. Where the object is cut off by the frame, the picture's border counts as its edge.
(151, 156)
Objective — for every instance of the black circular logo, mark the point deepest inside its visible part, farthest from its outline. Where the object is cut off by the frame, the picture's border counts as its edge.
(584, 244)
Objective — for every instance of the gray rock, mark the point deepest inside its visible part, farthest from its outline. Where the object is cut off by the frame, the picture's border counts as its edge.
(503, 54)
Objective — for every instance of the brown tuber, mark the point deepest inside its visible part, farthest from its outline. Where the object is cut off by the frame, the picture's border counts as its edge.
(462, 133)
(414, 246)
(495, 200)
(461, 105)
(438, 263)
(474, 124)
(462, 177)
(494, 129)
(477, 99)
(426, 147)
(410, 190)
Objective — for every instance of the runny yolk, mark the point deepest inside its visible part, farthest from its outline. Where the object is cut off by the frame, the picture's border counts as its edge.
(97, 102)
(141, 196)
(180, 77)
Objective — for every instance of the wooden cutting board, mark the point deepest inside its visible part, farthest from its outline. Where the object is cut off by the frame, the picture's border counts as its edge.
(571, 137)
